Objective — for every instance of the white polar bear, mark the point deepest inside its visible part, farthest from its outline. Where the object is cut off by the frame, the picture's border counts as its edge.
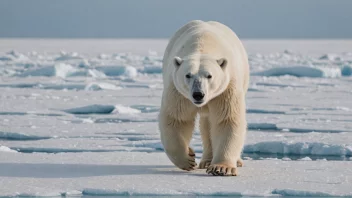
(205, 71)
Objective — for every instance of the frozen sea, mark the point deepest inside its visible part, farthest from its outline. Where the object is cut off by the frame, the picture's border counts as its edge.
(79, 118)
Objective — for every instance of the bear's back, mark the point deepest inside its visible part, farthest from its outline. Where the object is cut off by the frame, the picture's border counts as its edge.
(180, 33)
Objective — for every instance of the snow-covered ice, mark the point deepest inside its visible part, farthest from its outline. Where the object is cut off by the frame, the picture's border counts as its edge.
(6, 149)
(83, 122)
(138, 173)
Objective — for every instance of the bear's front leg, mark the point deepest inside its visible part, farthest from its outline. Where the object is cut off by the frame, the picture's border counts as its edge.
(206, 141)
(176, 136)
(228, 127)
(228, 140)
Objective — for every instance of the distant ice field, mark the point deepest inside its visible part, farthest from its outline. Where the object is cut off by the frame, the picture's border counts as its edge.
(79, 118)
(141, 46)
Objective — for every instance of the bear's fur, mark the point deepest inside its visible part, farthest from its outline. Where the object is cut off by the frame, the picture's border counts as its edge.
(207, 58)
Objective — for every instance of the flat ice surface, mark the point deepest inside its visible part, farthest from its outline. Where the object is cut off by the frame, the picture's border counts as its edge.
(136, 173)
(79, 118)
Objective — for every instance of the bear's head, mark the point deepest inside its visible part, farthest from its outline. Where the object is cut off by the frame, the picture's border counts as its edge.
(200, 78)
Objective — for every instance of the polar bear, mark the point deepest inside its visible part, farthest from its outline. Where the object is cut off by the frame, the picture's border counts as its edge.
(206, 72)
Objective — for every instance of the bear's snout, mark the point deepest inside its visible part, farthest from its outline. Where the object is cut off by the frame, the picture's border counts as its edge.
(198, 96)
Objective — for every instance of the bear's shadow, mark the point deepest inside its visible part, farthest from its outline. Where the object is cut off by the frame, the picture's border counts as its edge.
(43, 170)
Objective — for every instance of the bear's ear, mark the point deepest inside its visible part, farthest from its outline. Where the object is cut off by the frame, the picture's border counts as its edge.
(178, 61)
(222, 62)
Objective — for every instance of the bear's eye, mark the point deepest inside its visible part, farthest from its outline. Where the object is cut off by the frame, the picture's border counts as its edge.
(209, 76)
(188, 76)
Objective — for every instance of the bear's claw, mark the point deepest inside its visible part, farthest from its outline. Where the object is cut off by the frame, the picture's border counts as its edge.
(221, 170)
(190, 161)
(191, 152)
(204, 164)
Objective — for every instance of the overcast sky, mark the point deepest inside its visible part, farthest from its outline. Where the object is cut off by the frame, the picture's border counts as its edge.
(160, 18)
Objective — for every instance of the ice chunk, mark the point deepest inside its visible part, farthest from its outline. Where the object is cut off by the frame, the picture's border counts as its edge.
(152, 70)
(130, 72)
(305, 159)
(104, 192)
(346, 70)
(262, 126)
(44, 71)
(299, 148)
(19, 136)
(262, 111)
(87, 120)
(301, 71)
(17, 56)
(146, 108)
(6, 149)
(84, 64)
(61, 70)
(96, 74)
(5, 58)
(95, 86)
(41, 194)
(125, 110)
(72, 193)
(298, 193)
(331, 57)
(7, 72)
(64, 70)
(118, 70)
(91, 109)
(68, 56)
(103, 56)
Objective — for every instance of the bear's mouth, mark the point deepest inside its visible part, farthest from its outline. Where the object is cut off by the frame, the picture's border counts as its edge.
(198, 102)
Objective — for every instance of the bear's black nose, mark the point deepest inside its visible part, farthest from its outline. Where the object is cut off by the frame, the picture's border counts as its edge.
(198, 96)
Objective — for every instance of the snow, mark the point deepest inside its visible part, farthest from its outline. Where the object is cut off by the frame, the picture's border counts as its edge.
(83, 122)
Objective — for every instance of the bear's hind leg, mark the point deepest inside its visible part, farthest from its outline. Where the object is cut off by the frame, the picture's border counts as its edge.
(176, 136)
(207, 149)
